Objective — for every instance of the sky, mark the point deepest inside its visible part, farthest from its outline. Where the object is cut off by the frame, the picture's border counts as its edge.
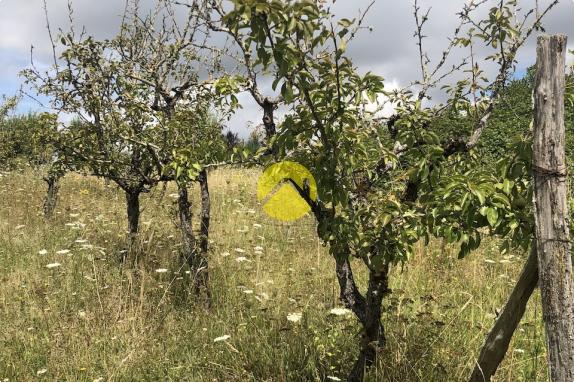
(390, 50)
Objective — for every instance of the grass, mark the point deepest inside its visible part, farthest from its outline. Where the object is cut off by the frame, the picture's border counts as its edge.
(92, 319)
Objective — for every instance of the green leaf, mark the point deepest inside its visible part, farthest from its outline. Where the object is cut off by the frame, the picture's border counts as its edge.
(492, 216)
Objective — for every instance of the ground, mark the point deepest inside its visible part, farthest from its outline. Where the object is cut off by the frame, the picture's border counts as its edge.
(69, 310)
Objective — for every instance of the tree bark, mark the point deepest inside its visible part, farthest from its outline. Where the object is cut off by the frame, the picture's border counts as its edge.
(550, 207)
(498, 339)
(373, 331)
(349, 293)
(51, 199)
(133, 210)
(185, 225)
(202, 274)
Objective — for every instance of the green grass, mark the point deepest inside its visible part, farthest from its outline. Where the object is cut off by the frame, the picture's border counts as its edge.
(92, 319)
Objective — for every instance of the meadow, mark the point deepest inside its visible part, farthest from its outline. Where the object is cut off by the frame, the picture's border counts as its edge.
(71, 311)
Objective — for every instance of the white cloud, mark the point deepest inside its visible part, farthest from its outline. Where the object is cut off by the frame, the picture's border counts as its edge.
(390, 50)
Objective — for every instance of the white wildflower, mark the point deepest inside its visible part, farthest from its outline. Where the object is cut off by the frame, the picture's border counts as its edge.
(42, 252)
(41, 371)
(161, 270)
(294, 317)
(333, 378)
(340, 311)
(63, 251)
(53, 265)
(225, 254)
(257, 225)
(489, 261)
(239, 250)
(222, 338)
(241, 259)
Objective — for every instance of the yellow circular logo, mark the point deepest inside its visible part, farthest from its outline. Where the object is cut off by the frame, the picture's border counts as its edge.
(279, 196)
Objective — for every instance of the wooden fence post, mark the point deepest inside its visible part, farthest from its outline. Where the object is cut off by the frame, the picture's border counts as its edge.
(552, 235)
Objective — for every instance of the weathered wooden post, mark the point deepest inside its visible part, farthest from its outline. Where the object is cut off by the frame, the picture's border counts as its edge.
(552, 235)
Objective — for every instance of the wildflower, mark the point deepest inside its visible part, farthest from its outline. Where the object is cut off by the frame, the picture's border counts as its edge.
(239, 250)
(42, 252)
(63, 252)
(333, 378)
(225, 254)
(74, 215)
(294, 317)
(263, 296)
(256, 225)
(53, 265)
(521, 351)
(247, 291)
(258, 248)
(41, 371)
(241, 259)
(175, 196)
(222, 338)
(340, 311)
(161, 270)
(489, 261)
(81, 241)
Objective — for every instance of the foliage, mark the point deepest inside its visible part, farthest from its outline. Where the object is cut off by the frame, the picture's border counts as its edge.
(129, 93)
(28, 138)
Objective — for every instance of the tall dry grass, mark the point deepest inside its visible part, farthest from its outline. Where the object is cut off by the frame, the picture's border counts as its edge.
(92, 319)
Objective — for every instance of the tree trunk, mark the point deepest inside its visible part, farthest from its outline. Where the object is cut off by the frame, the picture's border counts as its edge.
(349, 293)
(133, 210)
(202, 263)
(550, 208)
(185, 225)
(498, 339)
(51, 199)
(189, 248)
(373, 331)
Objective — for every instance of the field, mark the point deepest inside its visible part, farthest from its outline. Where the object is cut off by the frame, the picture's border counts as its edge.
(69, 310)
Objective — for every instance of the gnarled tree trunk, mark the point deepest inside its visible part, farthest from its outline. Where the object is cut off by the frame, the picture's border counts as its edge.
(368, 311)
(373, 331)
(51, 199)
(133, 211)
(195, 253)
(202, 274)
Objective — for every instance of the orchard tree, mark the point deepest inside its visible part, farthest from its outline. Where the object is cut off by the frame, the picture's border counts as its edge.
(133, 95)
(7, 149)
(383, 183)
(31, 138)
